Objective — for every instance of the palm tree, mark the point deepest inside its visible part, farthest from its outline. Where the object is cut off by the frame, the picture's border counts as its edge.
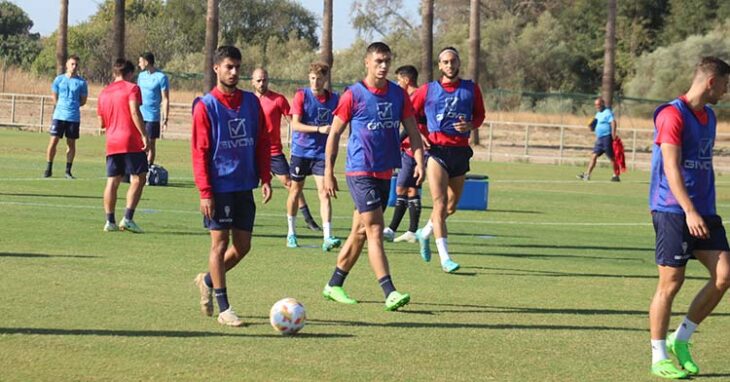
(609, 56)
(211, 44)
(474, 52)
(327, 39)
(61, 41)
(118, 31)
(427, 40)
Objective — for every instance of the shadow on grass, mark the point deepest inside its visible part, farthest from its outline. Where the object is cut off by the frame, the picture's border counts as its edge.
(544, 256)
(712, 376)
(586, 247)
(178, 185)
(539, 273)
(43, 255)
(155, 333)
(515, 211)
(51, 195)
(461, 325)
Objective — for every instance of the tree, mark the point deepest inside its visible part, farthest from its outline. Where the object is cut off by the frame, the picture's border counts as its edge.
(17, 45)
(61, 41)
(118, 31)
(327, 39)
(474, 52)
(211, 44)
(383, 17)
(609, 61)
(13, 20)
(427, 40)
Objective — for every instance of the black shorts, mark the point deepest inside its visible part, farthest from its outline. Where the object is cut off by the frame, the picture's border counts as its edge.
(126, 164)
(405, 174)
(674, 244)
(454, 159)
(153, 129)
(60, 128)
(232, 210)
(279, 165)
(603, 145)
(301, 167)
(369, 193)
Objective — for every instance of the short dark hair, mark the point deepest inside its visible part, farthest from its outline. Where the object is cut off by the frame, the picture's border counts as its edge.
(73, 57)
(122, 67)
(149, 57)
(408, 71)
(713, 66)
(226, 51)
(378, 47)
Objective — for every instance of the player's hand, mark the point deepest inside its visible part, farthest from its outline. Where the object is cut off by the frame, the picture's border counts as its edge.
(419, 174)
(325, 129)
(330, 186)
(697, 226)
(425, 142)
(266, 192)
(164, 125)
(463, 125)
(145, 145)
(207, 208)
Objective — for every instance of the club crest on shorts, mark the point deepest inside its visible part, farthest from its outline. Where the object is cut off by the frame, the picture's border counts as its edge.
(227, 210)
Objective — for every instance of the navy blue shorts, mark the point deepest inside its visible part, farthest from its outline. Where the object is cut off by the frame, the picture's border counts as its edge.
(368, 193)
(232, 210)
(674, 244)
(279, 165)
(301, 167)
(60, 128)
(126, 164)
(604, 145)
(454, 159)
(405, 174)
(153, 129)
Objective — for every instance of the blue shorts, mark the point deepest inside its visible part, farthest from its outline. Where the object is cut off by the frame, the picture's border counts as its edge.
(674, 244)
(368, 193)
(279, 165)
(153, 129)
(604, 145)
(126, 164)
(60, 128)
(405, 174)
(232, 210)
(454, 159)
(301, 167)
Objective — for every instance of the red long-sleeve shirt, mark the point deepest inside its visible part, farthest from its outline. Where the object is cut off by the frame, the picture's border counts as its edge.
(201, 143)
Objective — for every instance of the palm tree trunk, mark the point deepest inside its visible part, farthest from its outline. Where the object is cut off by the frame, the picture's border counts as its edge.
(118, 31)
(427, 40)
(474, 39)
(609, 56)
(211, 44)
(61, 38)
(327, 39)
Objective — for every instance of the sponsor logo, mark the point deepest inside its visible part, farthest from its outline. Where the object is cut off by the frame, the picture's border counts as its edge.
(706, 148)
(385, 118)
(323, 115)
(385, 111)
(450, 110)
(237, 128)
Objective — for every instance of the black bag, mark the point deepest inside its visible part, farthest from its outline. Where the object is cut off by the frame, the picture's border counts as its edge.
(157, 176)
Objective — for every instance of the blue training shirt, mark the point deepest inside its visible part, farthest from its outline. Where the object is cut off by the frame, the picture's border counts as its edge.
(314, 113)
(698, 141)
(69, 91)
(603, 122)
(152, 85)
(443, 109)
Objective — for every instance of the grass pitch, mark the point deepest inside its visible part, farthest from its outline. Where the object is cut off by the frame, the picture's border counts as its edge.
(555, 284)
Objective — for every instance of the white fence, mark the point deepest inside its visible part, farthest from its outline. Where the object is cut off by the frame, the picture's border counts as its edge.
(501, 141)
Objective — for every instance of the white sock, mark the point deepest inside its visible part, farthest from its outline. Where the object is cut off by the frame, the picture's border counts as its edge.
(658, 351)
(427, 230)
(291, 222)
(443, 248)
(685, 329)
(326, 229)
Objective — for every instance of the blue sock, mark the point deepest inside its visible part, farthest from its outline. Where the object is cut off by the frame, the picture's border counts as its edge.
(111, 219)
(129, 214)
(387, 284)
(222, 297)
(208, 281)
(338, 277)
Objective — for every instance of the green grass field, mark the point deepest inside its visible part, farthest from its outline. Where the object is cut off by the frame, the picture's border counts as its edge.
(555, 284)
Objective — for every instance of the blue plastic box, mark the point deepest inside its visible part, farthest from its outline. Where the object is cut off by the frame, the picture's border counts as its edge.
(474, 197)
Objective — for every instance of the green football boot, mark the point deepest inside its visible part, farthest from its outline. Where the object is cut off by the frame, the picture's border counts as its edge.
(396, 300)
(336, 293)
(681, 350)
(666, 369)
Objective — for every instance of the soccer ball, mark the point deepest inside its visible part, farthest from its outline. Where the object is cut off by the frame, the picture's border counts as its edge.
(287, 316)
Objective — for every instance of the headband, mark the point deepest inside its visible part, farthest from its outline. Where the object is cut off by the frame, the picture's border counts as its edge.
(450, 51)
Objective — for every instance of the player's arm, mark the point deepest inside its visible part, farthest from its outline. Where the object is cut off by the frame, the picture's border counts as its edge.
(165, 108)
(672, 155)
(297, 125)
(84, 95)
(614, 127)
(330, 155)
(263, 157)
(416, 147)
(200, 152)
(137, 119)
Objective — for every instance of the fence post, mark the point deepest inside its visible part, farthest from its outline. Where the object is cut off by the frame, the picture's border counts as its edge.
(43, 109)
(562, 139)
(12, 109)
(527, 140)
(633, 150)
(489, 143)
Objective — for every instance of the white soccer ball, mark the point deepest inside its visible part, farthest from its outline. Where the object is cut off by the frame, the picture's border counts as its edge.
(287, 316)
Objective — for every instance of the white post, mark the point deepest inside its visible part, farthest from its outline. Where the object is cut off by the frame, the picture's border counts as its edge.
(527, 140)
(633, 150)
(562, 139)
(43, 107)
(489, 144)
(12, 109)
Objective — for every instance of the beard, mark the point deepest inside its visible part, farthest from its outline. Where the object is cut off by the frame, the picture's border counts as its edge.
(456, 74)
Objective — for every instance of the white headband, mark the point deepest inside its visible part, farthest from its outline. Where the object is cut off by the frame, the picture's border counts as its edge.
(449, 50)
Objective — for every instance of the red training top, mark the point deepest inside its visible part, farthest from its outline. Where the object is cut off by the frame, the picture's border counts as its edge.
(275, 106)
(669, 123)
(122, 135)
(297, 104)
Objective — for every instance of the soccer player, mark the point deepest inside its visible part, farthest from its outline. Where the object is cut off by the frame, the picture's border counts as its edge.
(69, 94)
(375, 108)
(682, 202)
(230, 152)
(275, 107)
(407, 192)
(155, 93)
(311, 120)
(605, 129)
(126, 143)
(453, 107)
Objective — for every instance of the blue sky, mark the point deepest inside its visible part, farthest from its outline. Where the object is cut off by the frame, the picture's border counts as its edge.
(44, 14)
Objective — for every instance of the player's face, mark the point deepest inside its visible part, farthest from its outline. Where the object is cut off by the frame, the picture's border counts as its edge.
(72, 66)
(227, 72)
(449, 65)
(142, 63)
(599, 105)
(718, 88)
(378, 64)
(402, 81)
(316, 82)
(260, 81)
